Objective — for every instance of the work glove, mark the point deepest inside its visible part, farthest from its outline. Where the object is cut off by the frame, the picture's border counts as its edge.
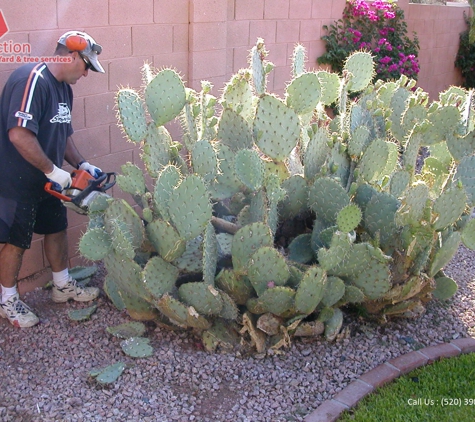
(59, 176)
(92, 170)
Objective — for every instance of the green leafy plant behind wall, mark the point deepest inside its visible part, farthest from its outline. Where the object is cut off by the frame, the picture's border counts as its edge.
(465, 59)
(379, 28)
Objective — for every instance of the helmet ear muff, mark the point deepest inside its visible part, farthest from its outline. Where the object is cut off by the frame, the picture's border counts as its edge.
(76, 43)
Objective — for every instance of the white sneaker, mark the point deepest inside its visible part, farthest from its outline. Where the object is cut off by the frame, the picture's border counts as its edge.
(18, 313)
(74, 292)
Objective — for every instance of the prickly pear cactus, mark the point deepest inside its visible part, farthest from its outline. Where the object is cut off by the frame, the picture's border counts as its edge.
(270, 219)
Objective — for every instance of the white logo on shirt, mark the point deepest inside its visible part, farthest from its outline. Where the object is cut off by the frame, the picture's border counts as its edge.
(23, 115)
(64, 114)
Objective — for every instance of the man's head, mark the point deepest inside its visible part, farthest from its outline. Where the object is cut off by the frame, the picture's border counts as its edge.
(85, 46)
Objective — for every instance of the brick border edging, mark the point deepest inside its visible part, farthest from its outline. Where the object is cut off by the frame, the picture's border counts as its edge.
(331, 409)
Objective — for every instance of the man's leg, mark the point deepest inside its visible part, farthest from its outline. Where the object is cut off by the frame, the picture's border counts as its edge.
(56, 250)
(10, 263)
(65, 288)
(11, 307)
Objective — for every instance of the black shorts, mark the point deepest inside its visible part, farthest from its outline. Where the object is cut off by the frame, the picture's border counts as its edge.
(18, 221)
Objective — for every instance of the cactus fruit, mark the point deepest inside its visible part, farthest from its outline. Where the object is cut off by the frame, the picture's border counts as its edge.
(269, 215)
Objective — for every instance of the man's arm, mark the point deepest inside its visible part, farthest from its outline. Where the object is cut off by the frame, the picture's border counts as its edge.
(72, 155)
(29, 148)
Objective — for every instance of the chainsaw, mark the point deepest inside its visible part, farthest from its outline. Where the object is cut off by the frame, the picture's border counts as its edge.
(83, 190)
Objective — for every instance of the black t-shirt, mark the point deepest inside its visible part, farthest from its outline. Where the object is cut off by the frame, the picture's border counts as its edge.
(34, 99)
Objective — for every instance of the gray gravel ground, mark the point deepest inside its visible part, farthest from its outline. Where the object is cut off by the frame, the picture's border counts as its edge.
(44, 369)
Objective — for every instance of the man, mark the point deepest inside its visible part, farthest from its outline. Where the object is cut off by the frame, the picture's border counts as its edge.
(35, 138)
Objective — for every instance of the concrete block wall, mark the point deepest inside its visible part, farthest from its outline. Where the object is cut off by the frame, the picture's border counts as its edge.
(203, 40)
(438, 28)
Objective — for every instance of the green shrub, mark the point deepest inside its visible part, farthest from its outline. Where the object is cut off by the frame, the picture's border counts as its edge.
(378, 28)
(465, 59)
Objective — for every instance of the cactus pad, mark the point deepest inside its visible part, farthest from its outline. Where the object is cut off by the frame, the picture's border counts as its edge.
(131, 180)
(333, 325)
(361, 66)
(165, 239)
(303, 93)
(327, 198)
(310, 290)
(248, 240)
(202, 296)
(189, 207)
(276, 128)
(445, 288)
(165, 96)
(249, 169)
(267, 267)
(465, 175)
(234, 131)
(131, 114)
(445, 253)
(137, 347)
(449, 206)
(127, 330)
(95, 244)
(237, 287)
(82, 314)
(278, 300)
(109, 374)
(468, 235)
(349, 218)
(159, 277)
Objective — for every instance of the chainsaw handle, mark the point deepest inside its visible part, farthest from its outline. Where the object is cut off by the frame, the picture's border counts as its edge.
(52, 188)
(95, 185)
(108, 183)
